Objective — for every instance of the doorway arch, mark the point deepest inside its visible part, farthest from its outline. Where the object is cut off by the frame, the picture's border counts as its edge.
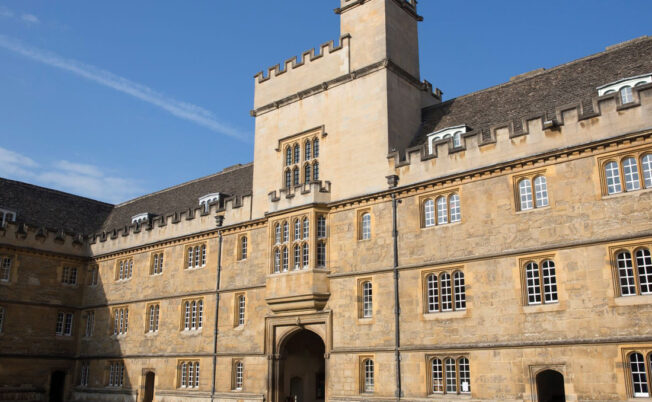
(57, 386)
(301, 369)
(150, 377)
(550, 386)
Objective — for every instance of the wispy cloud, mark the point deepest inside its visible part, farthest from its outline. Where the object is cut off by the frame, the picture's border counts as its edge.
(183, 110)
(82, 179)
(5, 12)
(30, 18)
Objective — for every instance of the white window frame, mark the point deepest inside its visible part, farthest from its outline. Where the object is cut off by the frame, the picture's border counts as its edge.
(630, 82)
(366, 226)
(454, 133)
(5, 268)
(367, 299)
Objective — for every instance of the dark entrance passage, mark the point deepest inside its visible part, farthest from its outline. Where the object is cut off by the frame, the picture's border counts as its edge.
(57, 386)
(302, 368)
(550, 387)
(149, 387)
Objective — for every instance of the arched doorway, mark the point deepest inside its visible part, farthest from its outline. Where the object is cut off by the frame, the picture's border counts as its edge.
(302, 368)
(57, 386)
(149, 387)
(550, 386)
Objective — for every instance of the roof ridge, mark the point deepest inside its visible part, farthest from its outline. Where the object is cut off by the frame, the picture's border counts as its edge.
(51, 190)
(534, 73)
(223, 171)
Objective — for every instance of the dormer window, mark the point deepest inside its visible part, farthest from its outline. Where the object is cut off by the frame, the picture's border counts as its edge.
(7, 216)
(208, 200)
(450, 133)
(625, 87)
(140, 218)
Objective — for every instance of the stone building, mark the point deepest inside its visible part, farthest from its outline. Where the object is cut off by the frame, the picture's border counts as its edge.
(384, 244)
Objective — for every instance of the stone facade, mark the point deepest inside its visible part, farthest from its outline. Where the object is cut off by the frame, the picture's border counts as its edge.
(246, 311)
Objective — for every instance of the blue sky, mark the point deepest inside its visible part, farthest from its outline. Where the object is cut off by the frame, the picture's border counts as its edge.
(115, 99)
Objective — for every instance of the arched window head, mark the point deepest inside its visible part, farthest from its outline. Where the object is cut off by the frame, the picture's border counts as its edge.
(451, 376)
(305, 255)
(297, 229)
(306, 228)
(365, 227)
(429, 213)
(288, 156)
(297, 154)
(626, 274)
(308, 150)
(626, 95)
(368, 367)
(442, 211)
(437, 376)
(525, 194)
(457, 139)
(630, 169)
(446, 291)
(284, 258)
(297, 256)
(459, 290)
(612, 175)
(533, 283)
(432, 301)
(238, 375)
(465, 375)
(455, 208)
(644, 269)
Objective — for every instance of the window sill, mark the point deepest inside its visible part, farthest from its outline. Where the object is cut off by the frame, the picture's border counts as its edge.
(119, 336)
(194, 268)
(535, 209)
(151, 334)
(64, 337)
(365, 320)
(443, 225)
(156, 275)
(191, 332)
(445, 315)
(633, 300)
(626, 193)
(450, 396)
(542, 308)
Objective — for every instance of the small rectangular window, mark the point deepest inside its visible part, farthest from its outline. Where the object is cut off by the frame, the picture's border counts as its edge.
(64, 324)
(5, 268)
(116, 371)
(90, 323)
(188, 374)
(2, 319)
(69, 275)
(84, 374)
(196, 256)
(157, 263)
(124, 269)
(192, 315)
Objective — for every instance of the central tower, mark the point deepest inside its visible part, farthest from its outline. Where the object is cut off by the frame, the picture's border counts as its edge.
(360, 97)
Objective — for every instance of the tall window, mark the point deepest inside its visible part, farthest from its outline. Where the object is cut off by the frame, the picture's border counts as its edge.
(285, 258)
(243, 247)
(90, 323)
(157, 264)
(321, 254)
(83, 375)
(69, 275)
(193, 315)
(288, 156)
(308, 149)
(297, 229)
(120, 320)
(297, 164)
(306, 173)
(321, 227)
(277, 260)
(449, 375)
(238, 375)
(540, 279)
(306, 228)
(315, 148)
(125, 269)
(305, 255)
(365, 226)
(441, 210)
(368, 375)
(288, 178)
(295, 177)
(277, 233)
(540, 192)
(630, 172)
(5, 268)
(94, 276)
(2, 318)
(635, 275)
(286, 232)
(241, 310)
(297, 256)
(315, 171)
(196, 256)
(152, 318)
(429, 213)
(188, 374)
(455, 208)
(64, 324)
(640, 374)
(116, 374)
(367, 300)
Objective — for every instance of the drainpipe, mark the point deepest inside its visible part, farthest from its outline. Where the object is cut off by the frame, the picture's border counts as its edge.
(219, 220)
(397, 306)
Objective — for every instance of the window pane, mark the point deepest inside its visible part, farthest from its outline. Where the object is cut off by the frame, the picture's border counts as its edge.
(315, 148)
(285, 259)
(306, 256)
(433, 294)
(465, 375)
(549, 281)
(626, 95)
(646, 163)
(533, 283)
(295, 173)
(626, 274)
(613, 178)
(315, 171)
(321, 254)
(429, 213)
(541, 191)
(306, 174)
(460, 291)
(321, 227)
(297, 257)
(644, 268)
(286, 232)
(308, 149)
(5, 269)
(446, 296)
(288, 156)
(366, 227)
(457, 139)
(297, 230)
(243, 251)
(297, 154)
(277, 233)
(442, 211)
(369, 375)
(241, 310)
(630, 169)
(451, 376)
(525, 194)
(367, 300)
(639, 376)
(277, 260)
(306, 228)
(437, 376)
(456, 210)
(288, 178)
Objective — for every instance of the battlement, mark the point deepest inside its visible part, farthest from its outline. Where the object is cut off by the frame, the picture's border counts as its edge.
(571, 125)
(317, 192)
(42, 238)
(410, 6)
(322, 64)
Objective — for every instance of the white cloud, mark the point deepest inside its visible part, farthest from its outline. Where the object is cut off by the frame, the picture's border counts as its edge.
(30, 18)
(183, 110)
(81, 179)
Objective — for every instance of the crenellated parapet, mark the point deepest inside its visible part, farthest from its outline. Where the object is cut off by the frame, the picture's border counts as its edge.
(315, 66)
(570, 125)
(43, 238)
(316, 192)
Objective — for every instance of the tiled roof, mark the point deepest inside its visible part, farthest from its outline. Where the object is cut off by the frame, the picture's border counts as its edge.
(540, 92)
(42, 207)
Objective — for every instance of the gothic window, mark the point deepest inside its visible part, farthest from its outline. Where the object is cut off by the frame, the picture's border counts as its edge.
(116, 374)
(297, 256)
(307, 152)
(83, 375)
(238, 375)
(525, 194)
(306, 173)
(297, 229)
(193, 315)
(646, 165)
(297, 154)
(153, 318)
(432, 296)
(64, 324)
(459, 290)
(120, 320)
(157, 264)
(321, 254)
(188, 374)
(540, 192)
(366, 310)
(449, 375)
(286, 232)
(306, 255)
(288, 178)
(196, 256)
(540, 281)
(612, 175)
(630, 172)
(277, 260)
(277, 233)
(368, 376)
(441, 210)
(285, 259)
(90, 323)
(5, 268)
(306, 228)
(455, 209)
(634, 276)
(315, 148)
(124, 270)
(315, 171)
(243, 248)
(69, 275)
(288, 156)
(295, 177)
(446, 292)
(321, 227)
(640, 374)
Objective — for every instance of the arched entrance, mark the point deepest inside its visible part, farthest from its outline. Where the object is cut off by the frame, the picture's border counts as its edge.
(57, 386)
(149, 387)
(550, 386)
(301, 370)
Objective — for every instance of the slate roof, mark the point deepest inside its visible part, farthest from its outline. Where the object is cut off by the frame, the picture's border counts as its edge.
(540, 92)
(42, 207)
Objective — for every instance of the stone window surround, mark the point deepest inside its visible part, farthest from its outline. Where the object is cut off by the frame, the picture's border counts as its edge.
(13, 267)
(126, 261)
(157, 317)
(360, 297)
(180, 374)
(203, 258)
(234, 385)
(242, 250)
(618, 156)
(199, 318)
(454, 313)
(631, 248)
(236, 309)
(434, 196)
(443, 356)
(157, 258)
(531, 175)
(646, 351)
(290, 243)
(358, 227)
(538, 259)
(115, 330)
